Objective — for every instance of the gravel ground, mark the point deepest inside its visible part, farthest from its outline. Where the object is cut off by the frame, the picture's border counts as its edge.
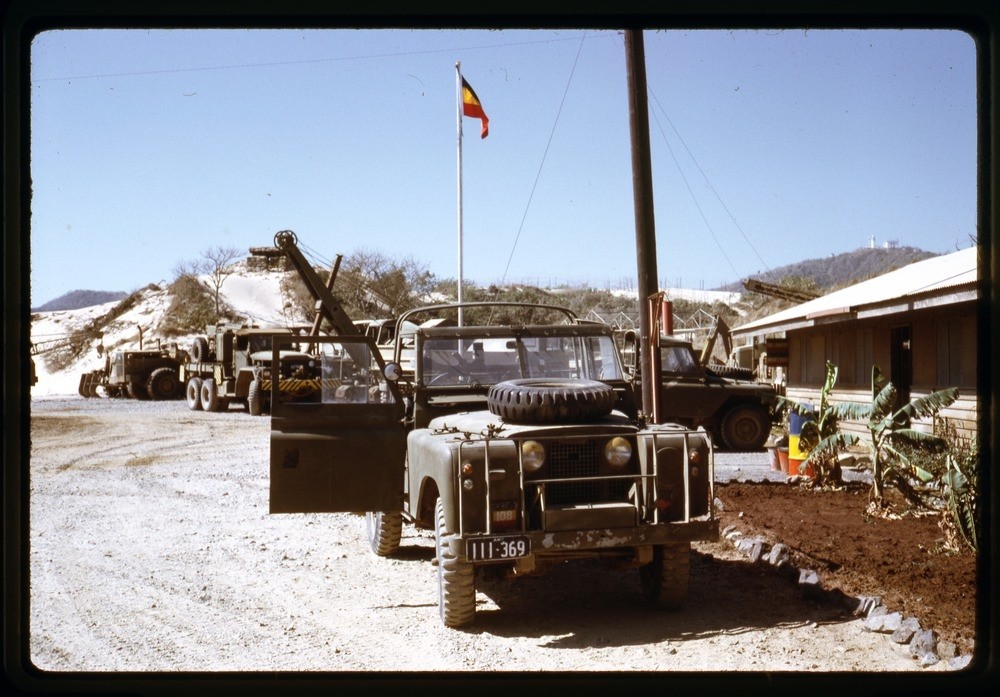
(152, 549)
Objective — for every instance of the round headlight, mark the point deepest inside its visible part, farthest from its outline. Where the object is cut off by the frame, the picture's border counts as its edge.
(618, 451)
(532, 455)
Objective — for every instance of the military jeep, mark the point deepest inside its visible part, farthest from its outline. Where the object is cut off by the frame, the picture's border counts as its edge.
(519, 445)
(736, 410)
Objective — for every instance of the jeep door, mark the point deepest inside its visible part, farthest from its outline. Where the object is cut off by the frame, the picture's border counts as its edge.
(337, 437)
(687, 394)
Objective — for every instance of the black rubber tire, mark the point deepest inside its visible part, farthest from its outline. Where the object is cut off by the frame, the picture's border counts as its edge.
(199, 350)
(210, 396)
(456, 578)
(540, 400)
(729, 371)
(255, 398)
(384, 530)
(665, 580)
(194, 394)
(163, 384)
(745, 427)
(136, 390)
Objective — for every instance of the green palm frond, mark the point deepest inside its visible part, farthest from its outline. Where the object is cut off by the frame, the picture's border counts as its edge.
(852, 411)
(931, 404)
(883, 404)
(917, 438)
(829, 447)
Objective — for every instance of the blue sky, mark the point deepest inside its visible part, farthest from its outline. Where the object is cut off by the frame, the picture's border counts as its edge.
(149, 147)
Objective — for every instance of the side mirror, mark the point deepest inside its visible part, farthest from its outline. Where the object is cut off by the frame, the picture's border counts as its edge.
(393, 372)
(630, 350)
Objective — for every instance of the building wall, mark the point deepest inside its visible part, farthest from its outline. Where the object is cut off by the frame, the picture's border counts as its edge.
(943, 353)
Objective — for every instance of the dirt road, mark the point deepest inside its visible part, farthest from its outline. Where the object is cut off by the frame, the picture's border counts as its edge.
(152, 549)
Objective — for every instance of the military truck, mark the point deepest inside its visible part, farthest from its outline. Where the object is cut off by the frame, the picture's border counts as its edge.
(233, 365)
(142, 374)
(520, 446)
(737, 410)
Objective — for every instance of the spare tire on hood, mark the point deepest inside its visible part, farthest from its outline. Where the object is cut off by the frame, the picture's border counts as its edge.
(549, 400)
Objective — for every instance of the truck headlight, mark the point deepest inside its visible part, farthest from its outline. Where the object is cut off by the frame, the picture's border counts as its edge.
(532, 455)
(618, 451)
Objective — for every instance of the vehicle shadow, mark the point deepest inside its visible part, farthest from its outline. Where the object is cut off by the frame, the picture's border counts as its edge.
(588, 604)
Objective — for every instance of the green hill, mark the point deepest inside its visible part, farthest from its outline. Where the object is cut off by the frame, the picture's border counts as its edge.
(841, 270)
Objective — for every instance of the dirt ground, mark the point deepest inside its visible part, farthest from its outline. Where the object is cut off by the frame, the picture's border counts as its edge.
(902, 560)
(152, 549)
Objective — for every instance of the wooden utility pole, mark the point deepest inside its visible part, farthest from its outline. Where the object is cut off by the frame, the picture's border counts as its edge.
(642, 191)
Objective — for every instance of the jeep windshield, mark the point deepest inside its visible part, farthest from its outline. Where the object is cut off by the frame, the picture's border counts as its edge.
(481, 361)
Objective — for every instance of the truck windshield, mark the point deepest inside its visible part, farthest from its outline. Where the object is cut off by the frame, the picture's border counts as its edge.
(678, 359)
(477, 362)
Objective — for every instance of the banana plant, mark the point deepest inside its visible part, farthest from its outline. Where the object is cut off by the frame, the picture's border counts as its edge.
(889, 428)
(821, 436)
(963, 498)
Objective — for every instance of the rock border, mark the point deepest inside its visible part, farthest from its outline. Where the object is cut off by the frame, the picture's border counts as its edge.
(924, 645)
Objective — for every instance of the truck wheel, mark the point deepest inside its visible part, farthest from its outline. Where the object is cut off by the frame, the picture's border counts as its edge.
(384, 531)
(210, 395)
(199, 350)
(136, 390)
(163, 384)
(541, 400)
(746, 427)
(456, 579)
(255, 400)
(665, 579)
(194, 394)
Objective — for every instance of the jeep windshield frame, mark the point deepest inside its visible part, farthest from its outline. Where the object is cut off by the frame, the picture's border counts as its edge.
(462, 358)
(407, 325)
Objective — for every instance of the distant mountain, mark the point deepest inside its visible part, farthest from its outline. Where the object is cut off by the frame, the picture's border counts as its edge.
(840, 270)
(77, 299)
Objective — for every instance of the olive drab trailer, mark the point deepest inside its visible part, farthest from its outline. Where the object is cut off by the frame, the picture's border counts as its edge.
(519, 445)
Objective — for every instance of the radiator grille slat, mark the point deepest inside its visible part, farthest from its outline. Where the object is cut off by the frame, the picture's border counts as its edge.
(574, 459)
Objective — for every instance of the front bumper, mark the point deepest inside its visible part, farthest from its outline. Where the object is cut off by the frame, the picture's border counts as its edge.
(588, 543)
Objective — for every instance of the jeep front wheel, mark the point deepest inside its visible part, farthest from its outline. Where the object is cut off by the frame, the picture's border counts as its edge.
(541, 400)
(456, 578)
(384, 531)
(746, 427)
(665, 579)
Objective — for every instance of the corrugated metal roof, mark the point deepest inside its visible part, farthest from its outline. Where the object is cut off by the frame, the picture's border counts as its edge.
(941, 275)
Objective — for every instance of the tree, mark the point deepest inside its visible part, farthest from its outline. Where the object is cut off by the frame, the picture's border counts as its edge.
(216, 263)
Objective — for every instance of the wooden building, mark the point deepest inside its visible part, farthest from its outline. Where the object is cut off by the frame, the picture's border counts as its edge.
(918, 324)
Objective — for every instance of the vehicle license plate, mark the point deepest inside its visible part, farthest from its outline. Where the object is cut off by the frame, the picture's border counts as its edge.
(507, 547)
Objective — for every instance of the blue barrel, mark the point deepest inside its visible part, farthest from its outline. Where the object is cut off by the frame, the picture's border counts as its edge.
(796, 421)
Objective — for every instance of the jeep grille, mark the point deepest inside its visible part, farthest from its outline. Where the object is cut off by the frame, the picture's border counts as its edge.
(578, 462)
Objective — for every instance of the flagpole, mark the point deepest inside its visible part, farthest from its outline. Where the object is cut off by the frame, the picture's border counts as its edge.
(458, 114)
